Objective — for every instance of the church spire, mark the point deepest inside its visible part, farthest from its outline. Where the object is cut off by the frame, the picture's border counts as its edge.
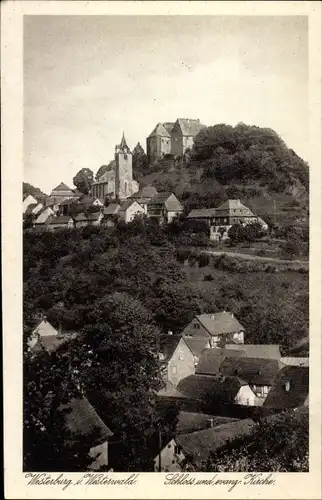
(123, 142)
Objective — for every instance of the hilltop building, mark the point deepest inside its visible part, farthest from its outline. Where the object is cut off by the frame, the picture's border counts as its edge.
(172, 138)
(117, 181)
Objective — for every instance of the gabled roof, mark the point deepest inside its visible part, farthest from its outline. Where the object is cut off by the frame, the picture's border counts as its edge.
(298, 378)
(84, 217)
(45, 328)
(172, 204)
(198, 446)
(159, 130)
(50, 343)
(112, 209)
(62, 219)
(168, 344)
(189, 127)
(211, 359)
(296, 361)
(145, 192)
(168, 126)
(233, 208)
(256, 371)
(220, 323)
(192, 422)
(62, 187)
(169, 391)
(271, 351)
(196, 345)
(202, 213)
(83, 421)
(208, 389)
(126, 204)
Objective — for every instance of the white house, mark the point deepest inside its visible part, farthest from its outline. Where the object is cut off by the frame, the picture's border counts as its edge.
(44, 215)
(129, 209)
(29, 200)
(219, 328)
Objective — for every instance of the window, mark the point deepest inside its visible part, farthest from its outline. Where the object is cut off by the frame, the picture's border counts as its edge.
(177, 450)
(181, 356)
(196, 325)
(174, 369)
(265, 390)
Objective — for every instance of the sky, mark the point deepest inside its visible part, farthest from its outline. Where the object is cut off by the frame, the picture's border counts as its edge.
(88, 78)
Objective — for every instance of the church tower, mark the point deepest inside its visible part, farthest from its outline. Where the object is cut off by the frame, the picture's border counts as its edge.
(123, 171)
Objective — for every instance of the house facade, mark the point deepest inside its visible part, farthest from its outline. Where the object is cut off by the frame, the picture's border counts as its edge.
(90, 219)
(144, 196)
(183, 134)
(29, 200)
(164, 207)
(129, 209)
(229, 213)
(176, 359)
(43, 216)
(158, 144)
(60, 222)
(219, 328)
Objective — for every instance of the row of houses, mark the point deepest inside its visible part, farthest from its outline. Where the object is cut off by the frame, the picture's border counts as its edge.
(209, 365)
(162, 207)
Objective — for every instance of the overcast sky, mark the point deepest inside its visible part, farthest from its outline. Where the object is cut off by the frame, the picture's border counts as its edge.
(88, 78)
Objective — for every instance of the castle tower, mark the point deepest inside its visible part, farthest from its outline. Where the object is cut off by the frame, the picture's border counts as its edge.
(123, 171)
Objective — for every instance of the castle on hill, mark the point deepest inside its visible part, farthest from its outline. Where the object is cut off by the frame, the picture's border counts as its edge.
(116, 182)
(172, 138)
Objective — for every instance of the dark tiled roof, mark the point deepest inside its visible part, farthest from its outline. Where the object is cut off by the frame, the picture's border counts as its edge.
(198, 446)
(217, 323)
(68, 201)
(210, 389)
(233, 208)
(83, 421)
(271, 351)
(160, 198)
(256, 371)
(195, 345)
(211, 359)
(62, 187)
(126, 205)
(168, 344)
(298, 378)
(168, 126)
(145, 192)
(62, 219)
(159, 130)
(112, 209)
(189, 127)
(83, 217)
(202, 213)
(169, 391)
(191, 422)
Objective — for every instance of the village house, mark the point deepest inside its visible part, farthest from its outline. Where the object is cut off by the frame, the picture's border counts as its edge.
(195, 448)
(144, 196)
(59, 194)
(219, 328)
(290, 388)
(269, 351)
(60, 222)
(211, 359)
(82, 422)
(129, 209)
(43, 216)
(164, 207)
(217, 390)
(89, 219)
(259, 373)
(178, 358)
(27, 201)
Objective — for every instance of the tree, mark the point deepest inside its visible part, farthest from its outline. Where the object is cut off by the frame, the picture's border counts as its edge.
(140, 162)
(83, 180)
(276, 444)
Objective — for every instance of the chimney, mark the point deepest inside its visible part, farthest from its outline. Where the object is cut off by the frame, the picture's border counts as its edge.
(210, 422)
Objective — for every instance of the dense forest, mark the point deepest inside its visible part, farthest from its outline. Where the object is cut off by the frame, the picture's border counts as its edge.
(29, 189)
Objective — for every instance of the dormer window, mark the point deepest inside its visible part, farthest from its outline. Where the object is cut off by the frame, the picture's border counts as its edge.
(196, 325)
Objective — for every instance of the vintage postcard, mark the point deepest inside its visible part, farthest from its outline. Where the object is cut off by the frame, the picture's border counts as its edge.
(161, 237)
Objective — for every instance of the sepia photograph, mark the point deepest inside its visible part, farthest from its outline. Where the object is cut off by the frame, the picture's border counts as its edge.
(165, 219)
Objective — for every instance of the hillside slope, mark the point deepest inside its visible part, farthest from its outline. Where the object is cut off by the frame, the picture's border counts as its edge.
(246, 162)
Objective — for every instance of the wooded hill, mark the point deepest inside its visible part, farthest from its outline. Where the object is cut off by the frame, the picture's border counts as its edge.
(29, 189)
(246, 162)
